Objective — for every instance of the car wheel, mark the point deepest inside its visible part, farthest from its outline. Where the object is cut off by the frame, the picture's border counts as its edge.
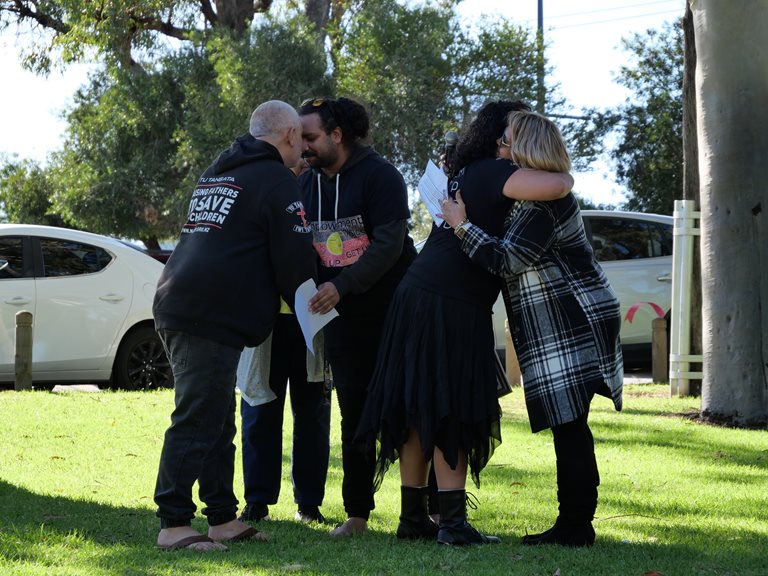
(141, 362)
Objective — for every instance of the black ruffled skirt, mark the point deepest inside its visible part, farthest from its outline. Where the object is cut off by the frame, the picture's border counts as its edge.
(435, 373)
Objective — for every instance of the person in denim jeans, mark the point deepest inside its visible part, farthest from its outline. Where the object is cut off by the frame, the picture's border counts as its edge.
(263, 376)
(245, 245)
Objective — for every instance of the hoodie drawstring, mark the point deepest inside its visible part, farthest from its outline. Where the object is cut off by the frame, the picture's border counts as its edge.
(320, 201)
(336, 207)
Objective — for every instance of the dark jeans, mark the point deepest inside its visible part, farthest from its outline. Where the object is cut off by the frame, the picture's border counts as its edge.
(198, 446)
(262, 425)
(577, 474)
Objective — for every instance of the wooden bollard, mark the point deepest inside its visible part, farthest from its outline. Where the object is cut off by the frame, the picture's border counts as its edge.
(23, 359)
(659, 352)
(513, 366)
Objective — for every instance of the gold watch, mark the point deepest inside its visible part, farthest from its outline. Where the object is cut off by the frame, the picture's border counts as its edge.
(462, 228)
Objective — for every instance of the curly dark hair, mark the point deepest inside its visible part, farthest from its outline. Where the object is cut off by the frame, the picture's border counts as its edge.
(479, 139)
(342, 113)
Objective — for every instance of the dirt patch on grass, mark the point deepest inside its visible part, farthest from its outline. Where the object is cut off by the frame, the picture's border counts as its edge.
(707, 418)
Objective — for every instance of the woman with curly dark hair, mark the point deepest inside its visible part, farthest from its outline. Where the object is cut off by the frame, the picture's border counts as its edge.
(433, 391)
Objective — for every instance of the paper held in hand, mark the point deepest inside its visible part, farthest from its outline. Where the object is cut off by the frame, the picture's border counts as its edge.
(310, 323)
(433, 186)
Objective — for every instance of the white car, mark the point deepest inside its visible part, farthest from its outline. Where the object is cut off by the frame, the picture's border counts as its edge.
(91, 302)
(635, 251)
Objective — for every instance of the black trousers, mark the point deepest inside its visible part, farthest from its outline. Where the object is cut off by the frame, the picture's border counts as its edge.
(351, 346)
(577, 474)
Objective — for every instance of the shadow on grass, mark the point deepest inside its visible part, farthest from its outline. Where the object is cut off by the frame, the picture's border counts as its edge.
(77, 536)
(690, 440)
(44, 530)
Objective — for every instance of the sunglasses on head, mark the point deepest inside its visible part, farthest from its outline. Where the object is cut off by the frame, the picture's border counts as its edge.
(503, 142)
(314, 102)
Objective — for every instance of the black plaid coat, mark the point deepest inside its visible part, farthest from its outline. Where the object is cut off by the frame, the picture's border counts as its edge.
(563, 314)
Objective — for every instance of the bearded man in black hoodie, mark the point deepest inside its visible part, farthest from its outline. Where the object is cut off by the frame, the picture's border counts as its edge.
(245, 244)
(357, 207)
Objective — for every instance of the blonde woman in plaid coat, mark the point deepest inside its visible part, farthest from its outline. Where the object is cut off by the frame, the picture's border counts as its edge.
(564, 317)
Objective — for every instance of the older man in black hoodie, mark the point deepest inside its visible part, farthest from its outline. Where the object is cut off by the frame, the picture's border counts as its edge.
(245, 244)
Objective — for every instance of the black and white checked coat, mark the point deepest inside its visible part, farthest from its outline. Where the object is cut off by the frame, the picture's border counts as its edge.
(562, 312)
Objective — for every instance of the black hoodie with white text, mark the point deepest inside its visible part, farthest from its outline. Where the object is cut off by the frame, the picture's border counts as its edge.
(245, 244)
(345, 211)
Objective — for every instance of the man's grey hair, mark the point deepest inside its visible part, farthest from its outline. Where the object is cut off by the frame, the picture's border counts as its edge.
(272, 118)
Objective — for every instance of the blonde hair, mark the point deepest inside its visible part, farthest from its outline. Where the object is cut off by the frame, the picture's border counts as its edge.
(536, 142)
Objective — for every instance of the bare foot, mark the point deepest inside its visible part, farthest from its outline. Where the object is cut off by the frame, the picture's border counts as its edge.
(186, 538)
(235, 531)
(352, 527)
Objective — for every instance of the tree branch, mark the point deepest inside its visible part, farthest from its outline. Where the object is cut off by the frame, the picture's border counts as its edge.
(25, 11)
(210, 15)
(166, 28)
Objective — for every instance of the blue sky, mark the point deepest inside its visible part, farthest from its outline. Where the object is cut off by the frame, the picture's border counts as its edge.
(584, 49)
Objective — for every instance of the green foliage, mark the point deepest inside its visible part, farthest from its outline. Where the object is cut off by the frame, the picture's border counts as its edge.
(178, 80)
(649, 152)
(137, 143)
(586, 204)
(584, 136)
(394, 59)
(114, 176)
(498, 61)
(24, 194)
(224, 83)
(119, 32)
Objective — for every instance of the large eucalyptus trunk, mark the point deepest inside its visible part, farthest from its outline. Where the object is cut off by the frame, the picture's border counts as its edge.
(732, 120)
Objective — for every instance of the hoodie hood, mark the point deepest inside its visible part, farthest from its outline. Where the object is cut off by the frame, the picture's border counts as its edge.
(244, 150)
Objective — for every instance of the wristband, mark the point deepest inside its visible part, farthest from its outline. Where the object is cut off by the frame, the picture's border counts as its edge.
(461, 228)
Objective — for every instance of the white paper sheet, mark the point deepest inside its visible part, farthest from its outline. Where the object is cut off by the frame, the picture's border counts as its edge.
(433, 186)
(310, 323)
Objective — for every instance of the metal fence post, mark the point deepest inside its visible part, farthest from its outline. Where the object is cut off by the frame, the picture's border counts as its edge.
(23, 359)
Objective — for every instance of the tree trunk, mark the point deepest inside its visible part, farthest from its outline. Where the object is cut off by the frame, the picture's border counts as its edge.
(318, 12)
(691, 180)
(731, 94)
(236, 15)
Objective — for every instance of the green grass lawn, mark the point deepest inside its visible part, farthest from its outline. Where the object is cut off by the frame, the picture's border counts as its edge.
(77, 473)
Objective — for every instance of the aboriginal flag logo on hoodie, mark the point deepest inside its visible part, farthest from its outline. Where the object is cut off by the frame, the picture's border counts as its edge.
(340, 242)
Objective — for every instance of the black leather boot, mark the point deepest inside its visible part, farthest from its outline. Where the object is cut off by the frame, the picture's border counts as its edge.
(415, 522)
(577, 482)
(454, 528)
(570, 533)
(573, 526)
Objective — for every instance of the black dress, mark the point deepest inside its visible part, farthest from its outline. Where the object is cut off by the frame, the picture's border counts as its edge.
(435, 369)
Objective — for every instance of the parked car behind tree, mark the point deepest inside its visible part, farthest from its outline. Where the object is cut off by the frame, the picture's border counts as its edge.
(635, 251)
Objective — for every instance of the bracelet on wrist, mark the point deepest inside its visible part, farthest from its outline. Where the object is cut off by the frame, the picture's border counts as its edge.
(461, 228)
